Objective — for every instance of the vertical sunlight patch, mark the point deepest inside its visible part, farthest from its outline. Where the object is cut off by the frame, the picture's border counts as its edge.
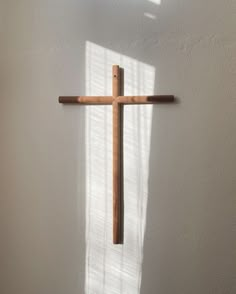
(115, 268)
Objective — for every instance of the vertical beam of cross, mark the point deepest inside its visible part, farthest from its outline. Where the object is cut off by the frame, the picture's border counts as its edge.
(117, 101)
(116, 112)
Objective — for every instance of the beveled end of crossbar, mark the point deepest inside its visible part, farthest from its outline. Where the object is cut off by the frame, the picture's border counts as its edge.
(161, 99)
(68, 99)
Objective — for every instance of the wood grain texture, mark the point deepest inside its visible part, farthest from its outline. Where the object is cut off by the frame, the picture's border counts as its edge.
(116, 111)
(116, 81)
(145, 99)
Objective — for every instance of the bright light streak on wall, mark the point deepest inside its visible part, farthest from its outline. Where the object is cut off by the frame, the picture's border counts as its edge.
(115, 268)
(150, 15)
(158, 2)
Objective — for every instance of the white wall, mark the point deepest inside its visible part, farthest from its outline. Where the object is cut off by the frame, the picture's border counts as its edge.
(189, 242)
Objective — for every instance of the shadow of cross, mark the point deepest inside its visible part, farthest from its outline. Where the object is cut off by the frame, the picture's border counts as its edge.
(117, 101)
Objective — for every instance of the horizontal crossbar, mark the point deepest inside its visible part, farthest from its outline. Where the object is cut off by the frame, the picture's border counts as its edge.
(107, 100)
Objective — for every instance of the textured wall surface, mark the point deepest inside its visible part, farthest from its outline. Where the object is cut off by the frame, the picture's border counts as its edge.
(187, 242)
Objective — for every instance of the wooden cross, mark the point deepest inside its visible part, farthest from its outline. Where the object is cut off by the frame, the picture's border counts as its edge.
(117, 101)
